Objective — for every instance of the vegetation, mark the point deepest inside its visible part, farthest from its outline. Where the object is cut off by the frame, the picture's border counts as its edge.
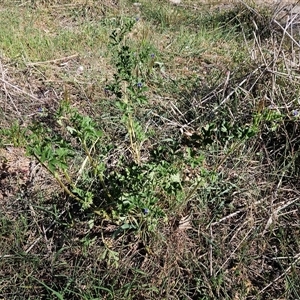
(149, 150)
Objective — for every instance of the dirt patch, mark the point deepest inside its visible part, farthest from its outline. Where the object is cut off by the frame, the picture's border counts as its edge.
(14, 170)
(21, 174)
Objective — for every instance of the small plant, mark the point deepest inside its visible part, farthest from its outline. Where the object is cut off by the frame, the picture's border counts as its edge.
(129, 85)
(133, 194)
(268, 118)
(56, 151)
(73, 154)
(15, 135)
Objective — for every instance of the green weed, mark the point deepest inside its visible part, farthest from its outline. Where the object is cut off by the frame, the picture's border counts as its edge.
(16, 135)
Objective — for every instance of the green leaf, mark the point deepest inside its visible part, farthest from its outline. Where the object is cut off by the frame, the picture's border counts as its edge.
(126, 226)
(175, 178)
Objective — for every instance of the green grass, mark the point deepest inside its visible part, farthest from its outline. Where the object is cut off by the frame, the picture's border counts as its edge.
(187, 189)
(45, 34)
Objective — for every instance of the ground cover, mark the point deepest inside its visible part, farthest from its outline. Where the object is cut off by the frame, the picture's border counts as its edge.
(149, 150)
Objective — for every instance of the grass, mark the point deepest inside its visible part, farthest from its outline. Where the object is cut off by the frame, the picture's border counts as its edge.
(161, 165)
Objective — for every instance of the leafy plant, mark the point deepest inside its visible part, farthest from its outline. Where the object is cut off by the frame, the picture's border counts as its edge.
(15, 135)
(133, 194)
(56, 151)
(129, 85)
(77, 138)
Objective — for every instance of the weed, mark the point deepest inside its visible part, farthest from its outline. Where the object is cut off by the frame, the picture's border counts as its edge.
(150, 183)
(55, 152)
(129, 85)
(16, 135)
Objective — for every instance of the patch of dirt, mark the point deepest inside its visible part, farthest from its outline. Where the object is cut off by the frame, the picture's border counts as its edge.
(14, 170)
(19, 173)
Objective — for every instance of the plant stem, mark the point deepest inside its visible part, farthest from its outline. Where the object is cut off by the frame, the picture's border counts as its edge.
(94, 165)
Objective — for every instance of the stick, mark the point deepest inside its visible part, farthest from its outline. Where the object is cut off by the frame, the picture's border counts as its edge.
(283, 274)
(52, 61)
(20, 90)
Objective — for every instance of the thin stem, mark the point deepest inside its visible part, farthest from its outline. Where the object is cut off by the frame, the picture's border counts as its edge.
(130, 126)
(59, 181)
(94, 165)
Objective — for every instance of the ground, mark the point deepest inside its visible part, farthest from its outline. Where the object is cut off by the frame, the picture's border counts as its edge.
(194, 191)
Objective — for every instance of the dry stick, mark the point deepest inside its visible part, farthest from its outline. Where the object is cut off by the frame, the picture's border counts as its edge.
(33, 213)
(38, 239)
(210, 252)
(52, 61)
(274, 214)
(256, 203)
(285, 61)
(250, 8)
(226, 83)
(7, 256)
(218, 91)
(279, 50)
(285, 31)
(283, 274)
(7, 94)
(292, 44)
(175, 108)
(169, 121)
(20, 90)
(85, 161)
(288, 24)
(283, 74)
(234, 214)
(259, 48)
(234, 90)
(290, 35)
(4, 85)
(228, 216)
